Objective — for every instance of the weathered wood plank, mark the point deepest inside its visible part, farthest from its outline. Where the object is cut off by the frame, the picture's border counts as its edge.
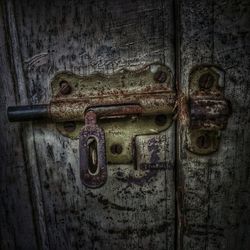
(85, 37)
(17, 230)
(216, 187)
(27, 130)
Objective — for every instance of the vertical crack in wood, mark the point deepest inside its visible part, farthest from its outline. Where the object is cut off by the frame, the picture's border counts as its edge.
(178, 172)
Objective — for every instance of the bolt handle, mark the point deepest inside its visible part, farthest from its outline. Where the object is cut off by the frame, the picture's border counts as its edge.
(27, 112)
(93, 167)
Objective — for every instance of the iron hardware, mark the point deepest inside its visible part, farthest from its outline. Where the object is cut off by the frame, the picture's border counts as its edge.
(139, 102)
(209, 110)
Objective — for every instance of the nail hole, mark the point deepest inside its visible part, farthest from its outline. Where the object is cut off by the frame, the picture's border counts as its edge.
(160, 120)
(116, 149)
(69, 126)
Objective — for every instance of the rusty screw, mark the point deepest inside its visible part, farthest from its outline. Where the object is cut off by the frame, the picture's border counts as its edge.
(203, 141)
(69, 126)
(206, 81)
(116, 148)
(65, 88)
(160, 76)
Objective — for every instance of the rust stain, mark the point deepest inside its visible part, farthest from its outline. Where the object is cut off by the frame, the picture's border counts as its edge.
(181, 105)
(92, 131)
(75, 108)
(208, 113)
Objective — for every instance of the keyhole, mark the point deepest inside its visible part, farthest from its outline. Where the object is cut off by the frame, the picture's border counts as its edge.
(92, 156)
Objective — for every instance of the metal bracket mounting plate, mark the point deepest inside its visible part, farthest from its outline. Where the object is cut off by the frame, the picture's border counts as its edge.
(209, 110)
(125, 86)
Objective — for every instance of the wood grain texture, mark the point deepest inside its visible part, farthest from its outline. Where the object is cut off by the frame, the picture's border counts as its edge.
(83, 37)
(216, 187)
(17, 230)
(104, 36)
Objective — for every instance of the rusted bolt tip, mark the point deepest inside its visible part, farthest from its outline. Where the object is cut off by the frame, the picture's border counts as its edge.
(65, 88)
(160, 76)
(116, 148)
(206, 81)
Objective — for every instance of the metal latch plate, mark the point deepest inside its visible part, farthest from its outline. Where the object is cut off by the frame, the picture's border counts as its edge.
(149, 83)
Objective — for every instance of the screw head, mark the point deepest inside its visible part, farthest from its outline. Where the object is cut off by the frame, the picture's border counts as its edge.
(203, 141)
(206, 81)
(160, 76)
(69, 126)
(116, 148)
(161, 120)
(65, 88)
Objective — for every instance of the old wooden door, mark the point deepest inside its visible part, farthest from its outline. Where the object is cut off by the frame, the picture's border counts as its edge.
(47, 37)
(197, 202)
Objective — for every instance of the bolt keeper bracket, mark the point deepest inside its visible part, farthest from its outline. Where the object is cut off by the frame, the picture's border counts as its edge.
(208, 109)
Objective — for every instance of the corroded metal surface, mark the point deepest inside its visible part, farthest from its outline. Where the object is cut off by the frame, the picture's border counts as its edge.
(206, 79)
(121, 147)
(208, 109)
(135, 100)
(127, 81)
(144, 92)
(208, 113)
(74, 109)
(203, 142)
(92, 131)
(140, 87)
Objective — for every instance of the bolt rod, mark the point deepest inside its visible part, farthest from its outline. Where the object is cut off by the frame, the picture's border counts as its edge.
(28, 112)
